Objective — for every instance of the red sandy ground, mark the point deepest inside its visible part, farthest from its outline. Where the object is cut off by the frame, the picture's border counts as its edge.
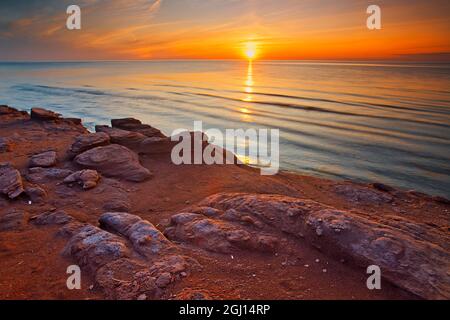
(32, 266)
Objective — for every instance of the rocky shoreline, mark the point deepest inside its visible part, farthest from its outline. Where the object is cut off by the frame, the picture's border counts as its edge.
(142, 228)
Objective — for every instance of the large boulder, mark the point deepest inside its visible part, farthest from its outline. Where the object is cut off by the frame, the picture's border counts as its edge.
(10, 181)
(41, 114)
(43, 160)
(114, 161)
(413, 256)
(88, 141)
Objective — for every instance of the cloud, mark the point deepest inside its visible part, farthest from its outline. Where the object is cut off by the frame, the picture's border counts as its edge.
(155, 6)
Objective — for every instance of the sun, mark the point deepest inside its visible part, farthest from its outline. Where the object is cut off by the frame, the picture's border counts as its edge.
(250, 50)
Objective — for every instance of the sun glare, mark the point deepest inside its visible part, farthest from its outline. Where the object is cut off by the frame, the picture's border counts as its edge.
(250, 50)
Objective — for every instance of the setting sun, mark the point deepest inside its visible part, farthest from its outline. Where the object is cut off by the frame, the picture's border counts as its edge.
(250, 50)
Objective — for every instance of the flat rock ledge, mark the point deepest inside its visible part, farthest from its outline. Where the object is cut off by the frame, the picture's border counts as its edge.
(135, 125)
(411, 255)
(41, 114)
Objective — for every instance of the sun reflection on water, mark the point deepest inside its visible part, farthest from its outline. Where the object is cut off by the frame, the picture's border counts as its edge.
(248, 89)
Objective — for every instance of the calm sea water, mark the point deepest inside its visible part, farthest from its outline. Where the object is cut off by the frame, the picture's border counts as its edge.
(384, 122)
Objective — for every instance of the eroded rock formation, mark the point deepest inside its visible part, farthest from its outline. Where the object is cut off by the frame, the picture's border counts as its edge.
(114, 161)
(411, 255)
(134, 261)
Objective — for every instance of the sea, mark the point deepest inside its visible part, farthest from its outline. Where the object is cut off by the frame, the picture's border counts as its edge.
(381, 121)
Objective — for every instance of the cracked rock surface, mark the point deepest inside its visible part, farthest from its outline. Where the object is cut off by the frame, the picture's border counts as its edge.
(412, 255)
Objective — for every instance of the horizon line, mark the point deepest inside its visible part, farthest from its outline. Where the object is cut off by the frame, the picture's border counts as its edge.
(229, 59)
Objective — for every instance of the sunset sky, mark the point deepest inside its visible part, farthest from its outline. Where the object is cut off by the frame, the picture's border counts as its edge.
(224, 29)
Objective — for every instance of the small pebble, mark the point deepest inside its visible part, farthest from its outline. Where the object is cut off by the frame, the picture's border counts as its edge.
(317, 260)
(142, 297)
(306, 265)
(324, 270)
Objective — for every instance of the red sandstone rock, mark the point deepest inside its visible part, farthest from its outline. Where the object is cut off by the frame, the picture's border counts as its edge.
(114, 161)
(36, 194)
(88, 179)
(43, 160)
(125, 138)
(43, 114)
(117, 205)
(88, 141)
(217, 235)
(126, 279)
(156, 145)
(146, 239)
(44, 175)
(113, 264)
(10, 181)
(4, 109)
(93, 247)
(136, 125)
(395, 244)
(58, 217)
(9, 111)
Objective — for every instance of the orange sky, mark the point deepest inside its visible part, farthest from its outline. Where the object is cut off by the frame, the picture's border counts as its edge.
(223, 29)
